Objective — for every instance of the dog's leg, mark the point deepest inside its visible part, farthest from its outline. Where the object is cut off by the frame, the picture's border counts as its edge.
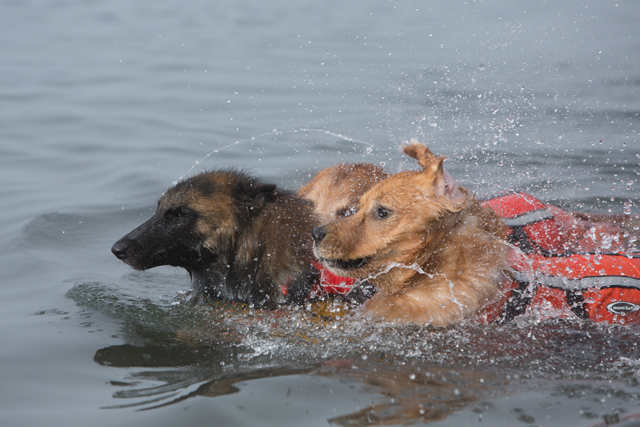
(438, 303)
(301, 286)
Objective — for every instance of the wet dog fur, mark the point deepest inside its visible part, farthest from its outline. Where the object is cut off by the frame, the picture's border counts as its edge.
(239, 239)
(335, 191)
(435, 255)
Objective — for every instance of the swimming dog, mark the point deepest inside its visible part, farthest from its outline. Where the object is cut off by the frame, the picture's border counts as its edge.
(335, 191)
(435, 255)
(239, 239)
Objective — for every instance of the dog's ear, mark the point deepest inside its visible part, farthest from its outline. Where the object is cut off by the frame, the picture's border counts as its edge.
(422, 154)
(256, 194)
(268, 191)
(432, 165)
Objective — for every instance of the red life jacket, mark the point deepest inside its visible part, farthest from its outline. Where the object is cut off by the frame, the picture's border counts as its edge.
(563, 266)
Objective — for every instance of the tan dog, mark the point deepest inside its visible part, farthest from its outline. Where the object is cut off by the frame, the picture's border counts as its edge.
(433, 252)
(335, 191)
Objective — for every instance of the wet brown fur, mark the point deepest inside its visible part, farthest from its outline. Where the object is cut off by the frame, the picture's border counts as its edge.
(434, 258)
(239, 239)
(335, 191)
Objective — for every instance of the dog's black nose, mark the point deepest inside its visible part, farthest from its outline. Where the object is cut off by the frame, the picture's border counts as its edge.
(119, 249)
(319, 233)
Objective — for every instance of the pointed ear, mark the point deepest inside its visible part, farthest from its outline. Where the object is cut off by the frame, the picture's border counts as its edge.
(431, 165)
(267, 190)
(256, 194)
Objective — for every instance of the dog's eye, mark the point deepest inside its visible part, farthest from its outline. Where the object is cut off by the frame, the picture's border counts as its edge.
(382, 213)
(176, 213)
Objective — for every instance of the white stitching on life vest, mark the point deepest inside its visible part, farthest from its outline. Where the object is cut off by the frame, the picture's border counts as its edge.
(580, 284)
(528, 218)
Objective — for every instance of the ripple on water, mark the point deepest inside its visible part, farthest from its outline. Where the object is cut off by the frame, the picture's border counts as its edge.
(176, 348)
(330, 330)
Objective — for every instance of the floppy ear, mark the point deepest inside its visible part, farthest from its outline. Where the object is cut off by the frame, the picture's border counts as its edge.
(431, 165)
(421, 153)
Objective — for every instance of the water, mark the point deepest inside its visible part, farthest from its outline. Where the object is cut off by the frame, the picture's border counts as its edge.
(105, 105)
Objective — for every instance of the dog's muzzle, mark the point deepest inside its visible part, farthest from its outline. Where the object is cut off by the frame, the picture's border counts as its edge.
(352, 264)
(120, 249)
(319, 233)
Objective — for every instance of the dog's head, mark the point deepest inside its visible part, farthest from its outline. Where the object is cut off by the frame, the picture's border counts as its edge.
(196, 222)
(398, 220)
(335, 191)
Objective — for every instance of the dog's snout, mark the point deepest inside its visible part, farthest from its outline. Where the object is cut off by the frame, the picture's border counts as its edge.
(319, 233)
(120, 249)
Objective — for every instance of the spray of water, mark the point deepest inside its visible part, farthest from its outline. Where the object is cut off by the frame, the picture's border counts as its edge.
(368, 146)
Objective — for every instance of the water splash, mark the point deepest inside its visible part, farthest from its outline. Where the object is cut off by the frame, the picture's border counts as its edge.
(390, 266)
(368, 146)
(174, 350)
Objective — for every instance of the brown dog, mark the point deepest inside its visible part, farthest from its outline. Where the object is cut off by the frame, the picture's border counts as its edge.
(434, 254)
(335, 191)
(239, 239)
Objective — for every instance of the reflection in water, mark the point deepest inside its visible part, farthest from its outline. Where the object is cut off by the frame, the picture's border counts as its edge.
(405, 392)
(176, 385)
(428, 395)
(178, 350)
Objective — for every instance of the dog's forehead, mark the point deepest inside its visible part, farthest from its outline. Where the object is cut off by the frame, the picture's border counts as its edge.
(193, 199)
(397, 189)
(205, 188)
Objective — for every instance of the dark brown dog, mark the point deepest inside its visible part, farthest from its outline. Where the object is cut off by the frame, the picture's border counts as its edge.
(335, 191)
(433, 252)
(239, 239)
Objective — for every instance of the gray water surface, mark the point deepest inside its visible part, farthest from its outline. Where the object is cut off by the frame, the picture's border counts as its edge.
(104, 105)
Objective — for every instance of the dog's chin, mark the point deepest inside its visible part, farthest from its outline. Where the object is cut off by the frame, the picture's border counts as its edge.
(346, 268)
(147, 262)
(188, 258)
